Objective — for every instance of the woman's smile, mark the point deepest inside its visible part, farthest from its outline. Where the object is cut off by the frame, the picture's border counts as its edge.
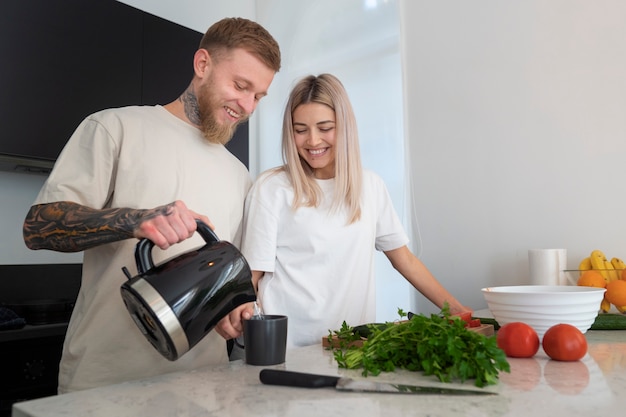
(318, 152)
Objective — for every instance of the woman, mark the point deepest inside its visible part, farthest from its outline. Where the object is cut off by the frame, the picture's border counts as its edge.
(311, 225)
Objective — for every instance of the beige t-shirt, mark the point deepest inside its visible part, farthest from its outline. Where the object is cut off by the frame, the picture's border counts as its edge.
(137, 157)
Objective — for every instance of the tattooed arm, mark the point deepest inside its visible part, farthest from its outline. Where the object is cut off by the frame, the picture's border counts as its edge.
(65, 226)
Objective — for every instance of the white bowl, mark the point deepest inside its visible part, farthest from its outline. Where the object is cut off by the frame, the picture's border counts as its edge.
(543, 306)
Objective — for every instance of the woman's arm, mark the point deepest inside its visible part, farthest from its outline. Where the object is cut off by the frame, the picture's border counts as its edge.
(420, 277)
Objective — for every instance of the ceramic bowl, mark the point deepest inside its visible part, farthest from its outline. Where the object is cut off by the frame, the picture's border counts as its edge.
(543, 306)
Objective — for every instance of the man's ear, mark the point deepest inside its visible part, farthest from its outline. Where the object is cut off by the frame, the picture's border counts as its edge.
(201, 62)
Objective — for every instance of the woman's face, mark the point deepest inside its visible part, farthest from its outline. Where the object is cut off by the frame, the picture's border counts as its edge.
(314, 133)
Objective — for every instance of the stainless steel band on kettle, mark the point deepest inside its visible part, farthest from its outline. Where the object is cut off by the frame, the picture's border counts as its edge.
(165, 315)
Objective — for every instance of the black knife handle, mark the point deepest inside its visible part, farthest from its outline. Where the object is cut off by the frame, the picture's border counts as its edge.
(296, 379)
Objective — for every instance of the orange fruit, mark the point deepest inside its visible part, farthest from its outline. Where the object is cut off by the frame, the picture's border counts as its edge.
(592, 278)
(616, 293)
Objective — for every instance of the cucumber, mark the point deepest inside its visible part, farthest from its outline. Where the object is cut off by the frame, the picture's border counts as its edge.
(484, 320)
(364, 330)
(608, 321)
(604, 321)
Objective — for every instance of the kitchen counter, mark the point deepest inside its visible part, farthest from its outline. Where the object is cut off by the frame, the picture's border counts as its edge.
(594, 386)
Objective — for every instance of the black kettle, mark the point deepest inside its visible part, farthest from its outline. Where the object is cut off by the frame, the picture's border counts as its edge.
(177, 303)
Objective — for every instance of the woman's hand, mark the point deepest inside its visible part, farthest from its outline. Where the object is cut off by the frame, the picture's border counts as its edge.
(231, 325)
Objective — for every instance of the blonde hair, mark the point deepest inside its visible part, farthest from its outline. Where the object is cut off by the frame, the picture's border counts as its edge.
(325, 89)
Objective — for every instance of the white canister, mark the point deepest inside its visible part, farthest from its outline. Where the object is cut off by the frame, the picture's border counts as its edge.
(547, 266)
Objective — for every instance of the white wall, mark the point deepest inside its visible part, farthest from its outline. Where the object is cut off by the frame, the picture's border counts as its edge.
(17, 193)
(516, 117)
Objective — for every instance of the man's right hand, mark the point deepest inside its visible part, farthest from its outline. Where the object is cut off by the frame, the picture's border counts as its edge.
(169, 224)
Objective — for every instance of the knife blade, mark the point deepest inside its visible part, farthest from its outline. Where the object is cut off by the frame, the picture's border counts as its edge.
(304, 380)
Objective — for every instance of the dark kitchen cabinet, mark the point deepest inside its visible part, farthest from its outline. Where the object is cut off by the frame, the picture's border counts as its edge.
(30, 367)
(62, 60)
(44, 296)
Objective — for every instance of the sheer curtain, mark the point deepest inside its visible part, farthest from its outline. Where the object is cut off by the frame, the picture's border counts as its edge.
(358, 41)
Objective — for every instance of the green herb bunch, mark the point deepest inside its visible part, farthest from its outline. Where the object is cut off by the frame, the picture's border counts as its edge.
(438, 345)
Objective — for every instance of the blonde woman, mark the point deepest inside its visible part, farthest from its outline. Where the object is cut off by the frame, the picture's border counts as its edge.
(311, 226)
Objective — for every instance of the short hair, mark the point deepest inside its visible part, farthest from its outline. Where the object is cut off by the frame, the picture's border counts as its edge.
(237, 32)
(325, 89)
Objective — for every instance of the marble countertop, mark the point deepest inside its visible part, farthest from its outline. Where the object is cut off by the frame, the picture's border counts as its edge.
(538, 386)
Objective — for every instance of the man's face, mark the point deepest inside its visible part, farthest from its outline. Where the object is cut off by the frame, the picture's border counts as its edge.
(229, 93)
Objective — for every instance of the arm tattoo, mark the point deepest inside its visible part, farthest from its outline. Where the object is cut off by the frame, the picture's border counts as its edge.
(69, 227)
(190, 105)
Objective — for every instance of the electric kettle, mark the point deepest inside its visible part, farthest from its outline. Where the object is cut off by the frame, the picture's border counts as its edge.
(177, 303)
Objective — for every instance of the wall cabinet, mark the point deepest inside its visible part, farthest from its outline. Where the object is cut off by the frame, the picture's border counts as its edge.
(65, 59)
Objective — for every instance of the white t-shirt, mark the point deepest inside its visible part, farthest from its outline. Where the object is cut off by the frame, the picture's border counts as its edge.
(319, 271)
(137, 157)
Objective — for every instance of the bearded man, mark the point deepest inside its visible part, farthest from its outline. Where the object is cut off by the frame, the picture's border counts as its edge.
(150, 172)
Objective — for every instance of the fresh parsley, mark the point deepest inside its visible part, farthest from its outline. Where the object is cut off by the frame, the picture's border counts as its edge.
(438, 345)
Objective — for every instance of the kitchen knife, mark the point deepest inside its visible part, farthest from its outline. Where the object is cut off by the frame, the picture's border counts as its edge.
(303, 380)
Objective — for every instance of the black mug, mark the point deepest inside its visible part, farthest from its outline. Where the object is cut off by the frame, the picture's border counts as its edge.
(265, 339)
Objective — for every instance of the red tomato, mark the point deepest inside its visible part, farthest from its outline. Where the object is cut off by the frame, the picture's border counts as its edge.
(564, 342)
(474, 323)
(518, 340)
(466, 316)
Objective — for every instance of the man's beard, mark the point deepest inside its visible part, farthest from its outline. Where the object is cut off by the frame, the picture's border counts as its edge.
(213, 131)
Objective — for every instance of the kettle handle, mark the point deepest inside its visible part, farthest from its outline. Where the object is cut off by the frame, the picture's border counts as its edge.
(143, 251)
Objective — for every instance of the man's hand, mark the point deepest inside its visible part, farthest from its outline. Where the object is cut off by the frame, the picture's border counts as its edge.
(231, 325)
(169, 224)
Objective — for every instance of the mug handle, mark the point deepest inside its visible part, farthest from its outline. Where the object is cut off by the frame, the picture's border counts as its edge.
(238, 344)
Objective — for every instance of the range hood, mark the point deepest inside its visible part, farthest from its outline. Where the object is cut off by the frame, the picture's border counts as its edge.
(25, 165)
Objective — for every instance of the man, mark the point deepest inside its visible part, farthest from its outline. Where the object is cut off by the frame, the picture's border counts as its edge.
(150, 172)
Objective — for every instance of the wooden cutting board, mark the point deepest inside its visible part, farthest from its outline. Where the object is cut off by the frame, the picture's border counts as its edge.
(484, 329)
